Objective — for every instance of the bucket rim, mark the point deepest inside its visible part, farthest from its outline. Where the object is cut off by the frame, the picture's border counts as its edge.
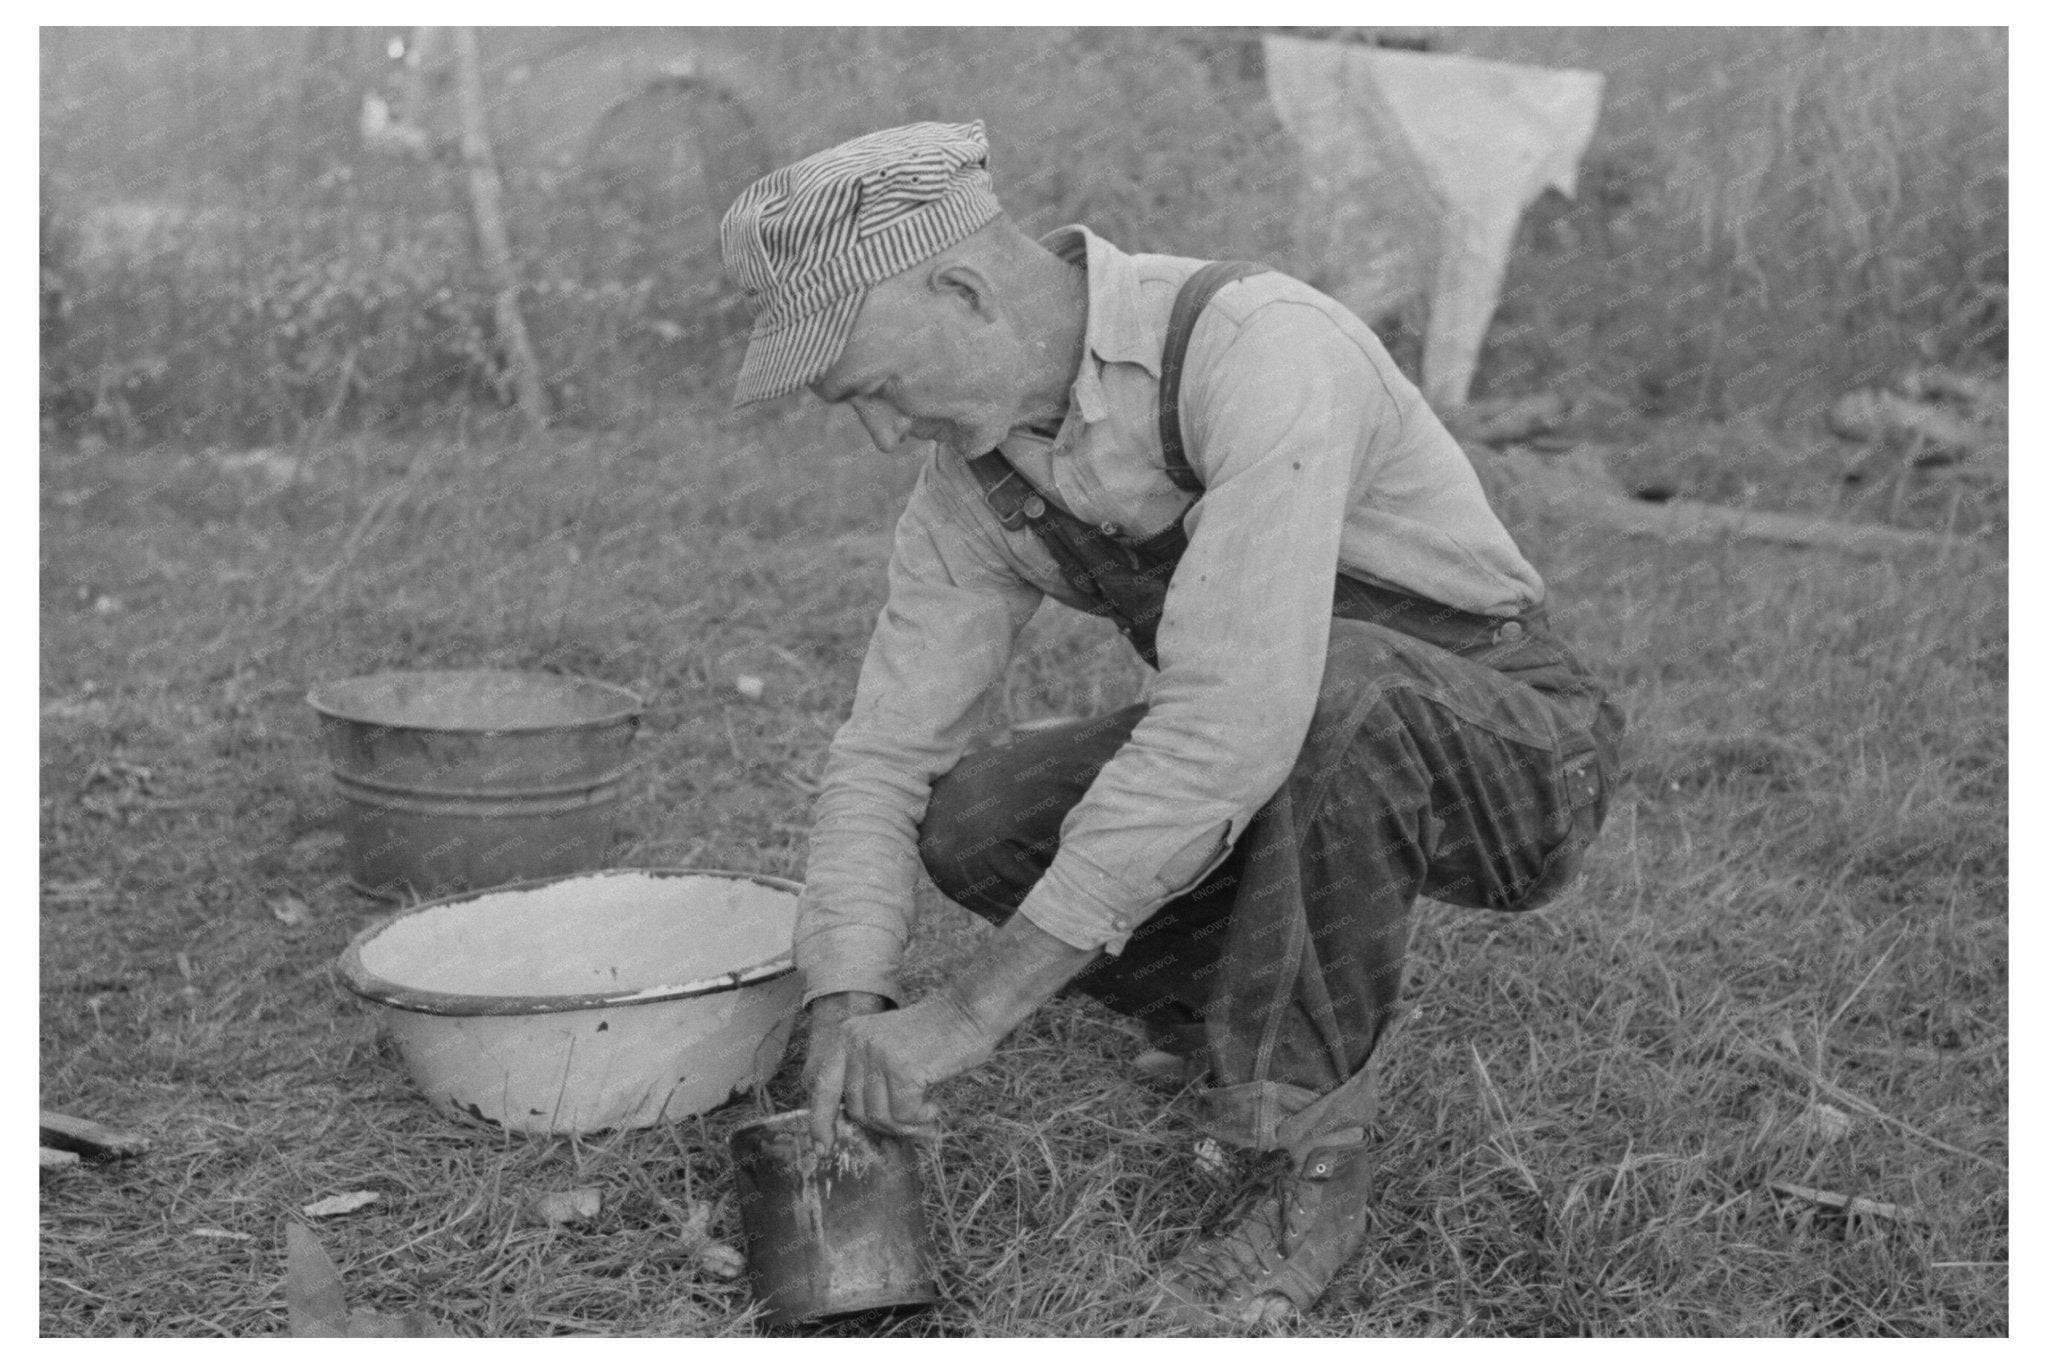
(922, 1298)
(788, 1117)
(632, 705)
(451, 1004)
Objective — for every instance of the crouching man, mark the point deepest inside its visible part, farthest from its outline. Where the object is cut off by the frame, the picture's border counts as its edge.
(1357, 699)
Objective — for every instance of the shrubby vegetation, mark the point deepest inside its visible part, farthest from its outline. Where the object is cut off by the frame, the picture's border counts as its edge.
(1765, 219)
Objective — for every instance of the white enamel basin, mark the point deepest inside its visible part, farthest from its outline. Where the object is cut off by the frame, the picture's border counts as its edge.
(590, 1002)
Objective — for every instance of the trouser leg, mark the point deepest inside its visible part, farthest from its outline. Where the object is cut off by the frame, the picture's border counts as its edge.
(1422, 773)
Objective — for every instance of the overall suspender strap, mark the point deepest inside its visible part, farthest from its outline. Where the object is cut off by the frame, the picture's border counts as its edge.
(1128, 584)
(1194, 296)
(1006, 491)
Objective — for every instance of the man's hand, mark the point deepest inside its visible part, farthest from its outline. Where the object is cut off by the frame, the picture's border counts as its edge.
(880, 1064)
(825, 1057)
(892, 1059)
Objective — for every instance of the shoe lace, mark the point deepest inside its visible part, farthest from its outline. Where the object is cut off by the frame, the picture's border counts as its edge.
(1253, 1235)
(1265, 1259)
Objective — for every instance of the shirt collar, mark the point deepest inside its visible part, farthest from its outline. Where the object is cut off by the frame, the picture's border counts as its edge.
(1116, 330)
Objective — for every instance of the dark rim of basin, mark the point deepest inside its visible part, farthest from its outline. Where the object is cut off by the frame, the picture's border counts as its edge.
(367, 983)
(434, 700)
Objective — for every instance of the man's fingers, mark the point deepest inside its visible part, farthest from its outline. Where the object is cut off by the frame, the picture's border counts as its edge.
(910, 1113)
(894, 1103)
(875, 1091)
(853, 1084)
(906, 1101)
(827, 1084)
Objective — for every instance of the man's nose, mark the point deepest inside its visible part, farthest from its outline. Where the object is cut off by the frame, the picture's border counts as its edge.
(885, 425)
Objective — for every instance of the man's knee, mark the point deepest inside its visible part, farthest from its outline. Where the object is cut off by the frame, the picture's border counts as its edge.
(968, 837)
(992, 824)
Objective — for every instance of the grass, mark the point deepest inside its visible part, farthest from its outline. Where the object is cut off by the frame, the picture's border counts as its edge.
(1764, 219)
(1800, 899)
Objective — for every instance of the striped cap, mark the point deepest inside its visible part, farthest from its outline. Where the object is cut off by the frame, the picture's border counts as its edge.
(806, 242)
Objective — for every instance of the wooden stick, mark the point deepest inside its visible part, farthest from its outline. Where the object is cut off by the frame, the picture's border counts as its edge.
(1553, 486)
(1849, 1203)
(62, 1132)
(1862, 1105)
(494, 247)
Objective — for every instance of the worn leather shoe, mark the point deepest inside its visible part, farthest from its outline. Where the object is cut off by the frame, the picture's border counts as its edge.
(1276, 1259)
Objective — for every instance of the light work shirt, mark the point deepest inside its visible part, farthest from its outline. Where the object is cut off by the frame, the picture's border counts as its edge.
(1314, 453)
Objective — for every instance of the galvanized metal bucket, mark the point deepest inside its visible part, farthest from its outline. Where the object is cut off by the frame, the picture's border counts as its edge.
(834, 1232)
(461, 780)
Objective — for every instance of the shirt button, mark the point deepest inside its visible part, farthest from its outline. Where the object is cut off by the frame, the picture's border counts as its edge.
(1112, 528)
(1511, 631)
(1034, 507)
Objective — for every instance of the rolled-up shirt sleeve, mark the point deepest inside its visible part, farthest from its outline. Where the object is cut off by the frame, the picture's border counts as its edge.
(943, 640)
(1279, 419)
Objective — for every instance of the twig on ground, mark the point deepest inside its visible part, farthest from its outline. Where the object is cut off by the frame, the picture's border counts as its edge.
(1863, 1105)
(1849, 1204)
(1562, 490)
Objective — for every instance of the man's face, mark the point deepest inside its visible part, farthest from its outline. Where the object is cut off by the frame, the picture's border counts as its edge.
(925, 363)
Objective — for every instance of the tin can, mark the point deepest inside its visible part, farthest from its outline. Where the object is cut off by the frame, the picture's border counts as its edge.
(833, 1232)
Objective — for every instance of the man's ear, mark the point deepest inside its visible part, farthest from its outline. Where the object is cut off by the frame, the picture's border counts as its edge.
(968, 285)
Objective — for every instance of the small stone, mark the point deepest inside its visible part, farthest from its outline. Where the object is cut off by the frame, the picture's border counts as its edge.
(1826, 1122)
(340, 1204)
(720, 1260)
(568, 1205)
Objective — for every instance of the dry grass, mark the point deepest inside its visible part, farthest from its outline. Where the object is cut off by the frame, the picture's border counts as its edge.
(1800, 898)
(1765, 218)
